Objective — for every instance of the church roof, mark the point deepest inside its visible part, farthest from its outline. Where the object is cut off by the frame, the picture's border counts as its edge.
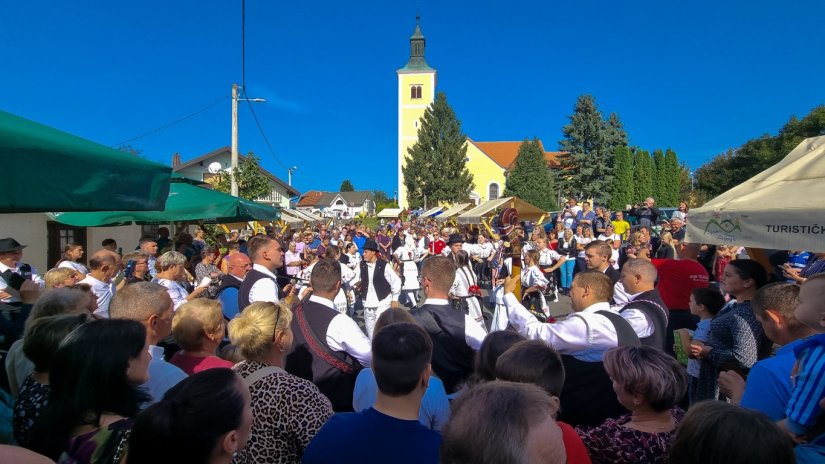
(318, 199)
(505, 153)
(417, 62)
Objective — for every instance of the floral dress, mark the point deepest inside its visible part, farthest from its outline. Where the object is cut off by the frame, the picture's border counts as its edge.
(614, 443)
(31, 401)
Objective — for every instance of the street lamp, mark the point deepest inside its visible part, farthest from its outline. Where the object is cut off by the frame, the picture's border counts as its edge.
(289, 173)
(233, 181)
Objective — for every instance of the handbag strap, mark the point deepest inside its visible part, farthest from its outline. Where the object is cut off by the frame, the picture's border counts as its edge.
(317, 347)
(259, 374)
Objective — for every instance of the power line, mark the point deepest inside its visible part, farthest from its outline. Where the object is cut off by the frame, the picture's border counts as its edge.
(261, 129)
(243, 44)
(173, 122)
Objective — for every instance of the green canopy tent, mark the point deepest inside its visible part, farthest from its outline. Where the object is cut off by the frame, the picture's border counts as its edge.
(186, 202)
(51, 170)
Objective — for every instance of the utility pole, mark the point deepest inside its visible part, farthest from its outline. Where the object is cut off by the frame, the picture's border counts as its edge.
(289, 173)
(234, 181)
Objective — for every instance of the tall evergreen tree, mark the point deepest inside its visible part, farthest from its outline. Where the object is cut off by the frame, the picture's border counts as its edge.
(346, 186)
(673, 172)
(587, 146)
(643, 175)
(659, 177)
(623, 185)
(436, 164)
(530, 178)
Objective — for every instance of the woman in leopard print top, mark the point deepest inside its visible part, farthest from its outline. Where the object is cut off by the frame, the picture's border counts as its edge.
(288, 411)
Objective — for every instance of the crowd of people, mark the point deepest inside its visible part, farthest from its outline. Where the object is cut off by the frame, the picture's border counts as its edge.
(417, 341)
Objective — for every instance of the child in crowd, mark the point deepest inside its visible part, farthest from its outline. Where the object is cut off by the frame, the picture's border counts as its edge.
(533, 284)
(706, 304)
(804, 415)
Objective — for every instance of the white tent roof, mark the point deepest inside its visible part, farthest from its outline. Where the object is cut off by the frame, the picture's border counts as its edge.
(776, 209)
(431, 211)
(301, 215)
(389, 212)
(525, 210)
(452, 211)
(286, 216)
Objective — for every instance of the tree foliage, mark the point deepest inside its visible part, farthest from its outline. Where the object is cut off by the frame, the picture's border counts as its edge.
(252, 183)
(588, 146)
(623, 189)
(436, 164)
(735, 166)
(346, 186)
(530, 178)
(659, 176)
(643, 173)
(382, 200)
(671, 172)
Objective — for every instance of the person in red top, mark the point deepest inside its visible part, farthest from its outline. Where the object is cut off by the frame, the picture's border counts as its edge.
(198, 327)
(677, 279)
(536, 362)
(437, 244)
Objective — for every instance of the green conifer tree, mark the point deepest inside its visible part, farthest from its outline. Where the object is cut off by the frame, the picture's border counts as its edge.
(659, 177)
(643, 175)
(530, 178)
(623, 185)
(673, 172)
(587, 160)
(436, 164)
(346, 186)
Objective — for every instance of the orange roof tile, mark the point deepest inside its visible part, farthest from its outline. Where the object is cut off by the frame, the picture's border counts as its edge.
(504, 153)
(310, 198)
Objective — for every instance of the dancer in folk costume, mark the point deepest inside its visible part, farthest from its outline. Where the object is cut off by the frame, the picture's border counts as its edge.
(465, 290)
(407, 257)
(533, 285)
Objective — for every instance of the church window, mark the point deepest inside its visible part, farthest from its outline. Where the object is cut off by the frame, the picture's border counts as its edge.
(493, 193)
(415, 92)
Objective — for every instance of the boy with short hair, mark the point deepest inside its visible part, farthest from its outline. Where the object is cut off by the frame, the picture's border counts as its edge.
(803, 410)
(705, 303)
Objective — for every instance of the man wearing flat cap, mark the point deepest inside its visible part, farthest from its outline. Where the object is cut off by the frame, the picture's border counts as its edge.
(13, 273)
(378, 285)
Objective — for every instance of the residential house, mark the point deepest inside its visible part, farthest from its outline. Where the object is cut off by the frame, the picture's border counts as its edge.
(341, 205)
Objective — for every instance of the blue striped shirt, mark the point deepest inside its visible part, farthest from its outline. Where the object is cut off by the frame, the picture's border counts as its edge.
(809, 387)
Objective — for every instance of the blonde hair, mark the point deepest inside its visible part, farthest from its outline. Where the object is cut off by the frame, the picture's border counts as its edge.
(195, 320)
(256, 327)
(55, 277)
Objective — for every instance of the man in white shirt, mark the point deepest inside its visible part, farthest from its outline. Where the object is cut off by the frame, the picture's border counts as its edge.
(378, 285)
(13, 272)
(646, 312)
(103, 266)
(150, 304)
(149, 245)
(582, 340)
(328, 346)
(261, 283)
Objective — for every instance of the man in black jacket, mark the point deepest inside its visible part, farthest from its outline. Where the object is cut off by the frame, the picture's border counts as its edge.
(597, 258)
(647, 214)
(456, 336)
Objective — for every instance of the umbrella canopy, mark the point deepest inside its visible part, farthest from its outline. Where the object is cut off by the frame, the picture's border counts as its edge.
(51, 170)
(186, 203)
(526, 211)
(776, 209)
(431, 212)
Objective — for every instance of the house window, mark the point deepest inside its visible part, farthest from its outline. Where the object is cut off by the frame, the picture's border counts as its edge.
(493, 192)
(415, 92)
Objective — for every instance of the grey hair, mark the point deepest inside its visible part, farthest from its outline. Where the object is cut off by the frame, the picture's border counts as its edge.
(171, 258)
(57, 301)
(642, 267)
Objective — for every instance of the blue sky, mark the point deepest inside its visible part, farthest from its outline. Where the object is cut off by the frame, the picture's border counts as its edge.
(699, 77)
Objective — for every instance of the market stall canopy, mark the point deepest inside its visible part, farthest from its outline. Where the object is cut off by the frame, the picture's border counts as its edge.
(453, 210)
(51, 170)
(390, 213)
(306, 217)
(186, 202)
(526, 211)
(431, 212)
(288, 217)
(776, 209)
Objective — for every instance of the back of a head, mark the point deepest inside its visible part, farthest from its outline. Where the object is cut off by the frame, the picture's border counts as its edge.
(101, 258)
(439, 270)
(400, 354)
(715, 432)
(780, 297)
(195, 320)
(254, 329)
(57, 301)
(712, 299)
(325, 274)
(493, 346)
(189, 423)
(139, 301)
(599, 283)
(44, 336)
(393, 316)
(643, 268)
(490, 424)
(532, 361)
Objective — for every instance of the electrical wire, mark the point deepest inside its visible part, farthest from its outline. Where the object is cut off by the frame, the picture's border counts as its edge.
(261, 129)
(173, 122)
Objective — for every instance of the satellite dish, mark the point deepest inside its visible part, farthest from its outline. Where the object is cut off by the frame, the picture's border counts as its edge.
(214, 167)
